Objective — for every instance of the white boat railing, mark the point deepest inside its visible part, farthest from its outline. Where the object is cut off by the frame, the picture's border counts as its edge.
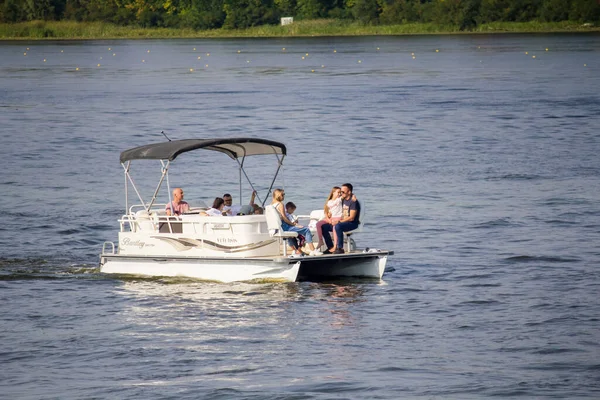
(107, 244)
(157, 221)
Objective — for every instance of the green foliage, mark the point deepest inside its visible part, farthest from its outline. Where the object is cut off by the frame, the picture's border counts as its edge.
(201, 19)
(310, 9)
(399, 11)
(555, 10)
(247, 13)
(365, 11)
(494, 10)
(320, 27)
(524, 10)
(584, 11)
(10, 11)
(287, 8)
(465, 15)
(461, 13)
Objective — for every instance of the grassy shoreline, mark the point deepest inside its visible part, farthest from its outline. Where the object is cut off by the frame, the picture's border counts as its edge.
(57, 30)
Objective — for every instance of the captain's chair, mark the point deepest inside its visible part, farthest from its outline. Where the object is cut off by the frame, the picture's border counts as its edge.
(274, 226)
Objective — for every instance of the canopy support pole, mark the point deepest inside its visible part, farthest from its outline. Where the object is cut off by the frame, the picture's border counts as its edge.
(279, 165)
(165, 172)
(126, 167)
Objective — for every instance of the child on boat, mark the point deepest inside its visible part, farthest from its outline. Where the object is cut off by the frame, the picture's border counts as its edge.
(292, 226)
(290, 209)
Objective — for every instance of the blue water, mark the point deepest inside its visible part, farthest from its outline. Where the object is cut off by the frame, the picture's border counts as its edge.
(477, 163)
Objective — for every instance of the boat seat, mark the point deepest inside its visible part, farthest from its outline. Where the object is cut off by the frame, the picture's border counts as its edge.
(274, 227)
(315, 216)
(170, 225)
(145, 221)
(348, 235)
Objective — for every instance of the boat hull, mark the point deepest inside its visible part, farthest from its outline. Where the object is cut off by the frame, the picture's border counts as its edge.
(228, 270)
(285, 269)
(355, 265)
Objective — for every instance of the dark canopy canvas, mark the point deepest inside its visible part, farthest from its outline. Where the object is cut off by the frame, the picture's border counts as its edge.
(233, 147)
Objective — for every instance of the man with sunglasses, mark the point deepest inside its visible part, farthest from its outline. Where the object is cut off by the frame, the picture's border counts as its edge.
(229, 208)
(349, 222)
(232, 209)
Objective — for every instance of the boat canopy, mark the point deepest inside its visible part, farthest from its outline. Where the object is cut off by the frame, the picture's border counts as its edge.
(233, 147)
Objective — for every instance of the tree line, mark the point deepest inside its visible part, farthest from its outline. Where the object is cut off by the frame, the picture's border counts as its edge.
(233, 14)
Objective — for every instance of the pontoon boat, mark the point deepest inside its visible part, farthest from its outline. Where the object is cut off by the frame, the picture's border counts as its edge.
(219, 248)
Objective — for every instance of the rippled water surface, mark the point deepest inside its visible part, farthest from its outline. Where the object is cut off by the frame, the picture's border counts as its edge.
(477, 160)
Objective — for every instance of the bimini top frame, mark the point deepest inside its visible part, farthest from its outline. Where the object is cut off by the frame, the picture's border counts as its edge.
(235, 148)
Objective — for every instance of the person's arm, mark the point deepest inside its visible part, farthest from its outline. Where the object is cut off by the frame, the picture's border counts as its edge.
(349, 217)
(168, 209)
(252, 197)
(327, 212)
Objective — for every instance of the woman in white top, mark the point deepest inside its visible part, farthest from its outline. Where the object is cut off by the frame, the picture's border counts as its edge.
(292, 226)
(333, 212)
(217, 208)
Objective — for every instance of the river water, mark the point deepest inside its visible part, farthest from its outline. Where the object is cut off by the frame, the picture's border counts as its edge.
(477, 160)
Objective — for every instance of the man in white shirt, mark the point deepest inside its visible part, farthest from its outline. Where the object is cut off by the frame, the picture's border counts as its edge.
(229, 208)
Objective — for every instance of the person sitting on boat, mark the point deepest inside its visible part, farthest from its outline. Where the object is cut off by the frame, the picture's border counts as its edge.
(349, 222)
(177, 206)
(246, 210)
(291, 226)
(217, 208)
(231, 209)
(290, 209)
(258, 210)
(332, 212)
